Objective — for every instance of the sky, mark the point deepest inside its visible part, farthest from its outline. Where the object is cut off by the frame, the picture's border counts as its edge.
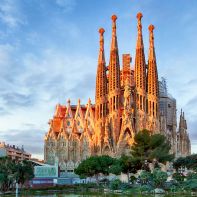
(49, 52)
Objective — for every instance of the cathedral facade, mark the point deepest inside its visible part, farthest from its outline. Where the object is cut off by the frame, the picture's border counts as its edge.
(127, 100)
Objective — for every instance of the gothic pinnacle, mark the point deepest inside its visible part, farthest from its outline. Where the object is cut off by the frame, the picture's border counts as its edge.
(101, 31)
(140, 64)
(139, 30)
(114, 40)
(101, 51)
(114, 68)
(139, 18)
(101, 79)
(151, 28)
(114, 18)
(139, 15)
(152, 76)
(151, 36)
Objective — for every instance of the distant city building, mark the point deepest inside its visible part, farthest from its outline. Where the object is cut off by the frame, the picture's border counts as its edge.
(13, 152)
(127, 100)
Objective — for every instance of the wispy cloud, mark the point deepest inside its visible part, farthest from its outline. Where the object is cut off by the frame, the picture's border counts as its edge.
(36, 86)
(11, 14)
(67, 5)
(39, 79)
(16, 99)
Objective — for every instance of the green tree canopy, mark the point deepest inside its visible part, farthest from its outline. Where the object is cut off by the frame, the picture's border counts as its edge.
(12, 171)
(129, 164)
(148, 147)
(156, 179)
(189, 162)
(95, 165)
(125, 164)
(159, 178)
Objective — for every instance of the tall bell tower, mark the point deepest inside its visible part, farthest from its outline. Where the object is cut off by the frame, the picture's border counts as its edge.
(140, 78)
(152, 86)
(101, 94)
(114, 85)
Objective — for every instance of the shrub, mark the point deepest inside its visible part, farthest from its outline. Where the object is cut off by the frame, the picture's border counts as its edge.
(115, 184)
(190, 185)
(132, 179)
(159, 178)
(179, 177)
(145, 177)
(191, 176)
(125, 186)
(146, 188)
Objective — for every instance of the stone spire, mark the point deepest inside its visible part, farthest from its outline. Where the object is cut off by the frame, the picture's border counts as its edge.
(101, 80)
(182, 120)
(151, 44)
(140, 65)
(101, 59)
(114, 70)
(152, 77)
(183, 141)
(140, 78)
(139, 31)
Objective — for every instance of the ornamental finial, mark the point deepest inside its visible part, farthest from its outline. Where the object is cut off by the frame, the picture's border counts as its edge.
(139, 15)
(151, 28)
(101, 31)
(114, 18)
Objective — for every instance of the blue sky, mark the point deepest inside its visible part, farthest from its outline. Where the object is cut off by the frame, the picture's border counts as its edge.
(49, 49)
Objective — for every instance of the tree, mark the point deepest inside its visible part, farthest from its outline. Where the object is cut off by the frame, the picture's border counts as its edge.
(159, 178)
(95, 165)
(191, 182)
(24, 172)
(116, 167)
(148, 147)
(145, 177)
(115, 184)
(128, 165)
(178, 163)
(132, 179)
(87, 168)
(190, 162)
(155, 179)
(179, 177)
(7, 173)
(12, 171)
(125, 164)
(105, 163)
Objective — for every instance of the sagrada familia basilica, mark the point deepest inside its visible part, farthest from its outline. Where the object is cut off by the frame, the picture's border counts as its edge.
(127, 100)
